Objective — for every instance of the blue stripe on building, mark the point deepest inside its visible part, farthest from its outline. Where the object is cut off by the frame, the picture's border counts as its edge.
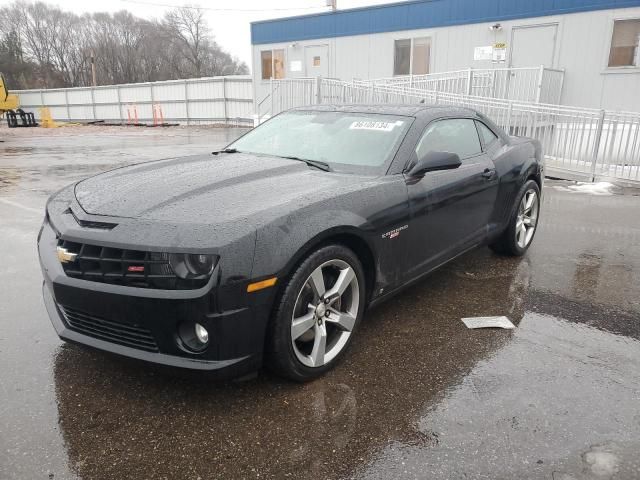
(415, 15)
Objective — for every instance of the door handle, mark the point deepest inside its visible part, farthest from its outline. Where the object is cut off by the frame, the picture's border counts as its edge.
(488, 172)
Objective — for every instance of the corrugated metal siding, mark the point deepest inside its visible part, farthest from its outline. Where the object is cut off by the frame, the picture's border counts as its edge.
(199, 100)
(416, 15)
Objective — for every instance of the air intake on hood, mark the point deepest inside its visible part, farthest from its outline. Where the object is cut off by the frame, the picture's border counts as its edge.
(92, 223)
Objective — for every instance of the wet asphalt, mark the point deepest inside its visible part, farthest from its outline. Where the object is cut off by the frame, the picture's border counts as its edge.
(418, 396)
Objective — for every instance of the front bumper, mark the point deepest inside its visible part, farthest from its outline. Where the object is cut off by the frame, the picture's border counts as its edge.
(235, 320)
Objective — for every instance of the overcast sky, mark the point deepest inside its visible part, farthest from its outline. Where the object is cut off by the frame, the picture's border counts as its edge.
(229, 19)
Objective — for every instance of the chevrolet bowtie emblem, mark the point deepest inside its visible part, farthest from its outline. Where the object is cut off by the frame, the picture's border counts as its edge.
(65, 256)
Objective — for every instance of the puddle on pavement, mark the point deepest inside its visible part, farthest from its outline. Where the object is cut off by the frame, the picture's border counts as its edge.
(418, 392)
(14, 151)
(531, 408)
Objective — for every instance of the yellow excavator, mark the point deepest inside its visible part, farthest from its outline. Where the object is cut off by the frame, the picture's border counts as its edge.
(16, 117)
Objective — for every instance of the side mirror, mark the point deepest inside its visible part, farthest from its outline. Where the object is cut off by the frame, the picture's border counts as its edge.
(433, 161)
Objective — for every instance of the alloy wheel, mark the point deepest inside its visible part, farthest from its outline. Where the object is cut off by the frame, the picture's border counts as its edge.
(527, 219)
(325, 313)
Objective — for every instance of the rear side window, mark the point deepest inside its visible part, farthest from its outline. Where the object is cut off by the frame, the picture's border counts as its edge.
(457, 135)
(488, 137)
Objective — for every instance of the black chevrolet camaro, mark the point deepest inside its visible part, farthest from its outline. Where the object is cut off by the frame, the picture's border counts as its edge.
(272, 249)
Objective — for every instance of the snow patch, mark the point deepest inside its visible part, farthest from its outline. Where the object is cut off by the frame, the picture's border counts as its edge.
(598, 188)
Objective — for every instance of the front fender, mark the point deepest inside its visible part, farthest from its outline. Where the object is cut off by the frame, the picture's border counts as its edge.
(280, 245)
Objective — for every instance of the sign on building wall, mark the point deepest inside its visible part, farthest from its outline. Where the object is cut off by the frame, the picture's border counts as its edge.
(499, 53)
(483, 53)
(295, 66)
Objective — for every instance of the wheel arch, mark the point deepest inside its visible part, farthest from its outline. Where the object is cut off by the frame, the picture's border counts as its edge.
(535, 175)
(351, 238)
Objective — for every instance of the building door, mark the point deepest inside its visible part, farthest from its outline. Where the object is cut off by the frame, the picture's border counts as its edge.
(531, 46)
(316, 59)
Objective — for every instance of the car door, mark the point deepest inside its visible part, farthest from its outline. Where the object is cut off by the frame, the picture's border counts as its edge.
(450, 209)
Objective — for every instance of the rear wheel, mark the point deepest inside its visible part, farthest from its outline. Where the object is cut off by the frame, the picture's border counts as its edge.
(517, 238)
(317, 314)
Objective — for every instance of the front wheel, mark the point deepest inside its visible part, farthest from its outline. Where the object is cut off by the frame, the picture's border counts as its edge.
(317, 315)
(517, 238)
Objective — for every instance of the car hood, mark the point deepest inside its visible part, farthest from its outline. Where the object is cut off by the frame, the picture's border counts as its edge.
(209, 189)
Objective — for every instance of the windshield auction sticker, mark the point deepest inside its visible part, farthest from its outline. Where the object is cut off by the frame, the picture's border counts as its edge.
(380, 126)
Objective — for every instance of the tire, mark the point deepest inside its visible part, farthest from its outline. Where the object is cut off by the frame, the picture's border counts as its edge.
(304, 312)
(514, 241)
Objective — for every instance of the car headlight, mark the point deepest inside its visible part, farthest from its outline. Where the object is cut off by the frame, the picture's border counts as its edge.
(192, 265)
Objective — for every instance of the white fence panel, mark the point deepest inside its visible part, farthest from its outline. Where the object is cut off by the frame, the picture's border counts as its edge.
(238, 110)
(577, 143)
(80, 111)
(239, 90)
(135, 93)
(200, 110)
(78, 96)
(177, 110)
(169, 92)
(111, 112)
(30, 97)
(202, 100)
(54, 97)
(56, 112)
(208, 90)
(525, 84)
(104, 95)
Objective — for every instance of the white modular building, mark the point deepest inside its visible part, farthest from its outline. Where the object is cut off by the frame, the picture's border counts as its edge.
(595, 43)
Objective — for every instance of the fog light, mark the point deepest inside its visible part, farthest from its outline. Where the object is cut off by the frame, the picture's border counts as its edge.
(201, 333)
(193, 336)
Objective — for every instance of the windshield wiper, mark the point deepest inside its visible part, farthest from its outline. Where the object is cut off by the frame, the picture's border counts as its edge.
(312, 163)
(227, 150)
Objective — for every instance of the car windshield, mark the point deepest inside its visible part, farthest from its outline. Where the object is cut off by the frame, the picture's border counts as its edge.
(347, 142)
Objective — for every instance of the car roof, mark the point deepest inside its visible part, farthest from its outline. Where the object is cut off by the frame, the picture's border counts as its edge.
(393, 109)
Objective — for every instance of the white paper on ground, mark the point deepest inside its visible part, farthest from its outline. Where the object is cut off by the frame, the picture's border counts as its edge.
(488, 322)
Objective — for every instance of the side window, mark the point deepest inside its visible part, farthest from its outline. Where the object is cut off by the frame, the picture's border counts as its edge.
(625, 44)
(402, 57)
(278, 64)
(488, 137)
(456, 136)
(420, 55)
(266, 57)
(272, 64)
(411, 56)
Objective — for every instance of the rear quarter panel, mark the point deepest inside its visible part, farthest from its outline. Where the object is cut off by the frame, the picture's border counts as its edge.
(515, 162)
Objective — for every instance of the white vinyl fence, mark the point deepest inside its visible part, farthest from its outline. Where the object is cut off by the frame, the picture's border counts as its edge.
(578, 143)
(226, 99)
(525, 84)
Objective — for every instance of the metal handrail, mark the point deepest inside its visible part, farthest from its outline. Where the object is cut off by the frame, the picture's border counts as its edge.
(579, 142)
(539, 84)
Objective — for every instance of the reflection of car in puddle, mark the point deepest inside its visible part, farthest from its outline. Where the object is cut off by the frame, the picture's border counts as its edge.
(414, 352)
(503, 283)
(136, 417)
(333, 419)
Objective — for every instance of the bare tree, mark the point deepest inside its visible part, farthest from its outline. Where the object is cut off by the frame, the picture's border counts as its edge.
(188, 29)
(44, 46)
